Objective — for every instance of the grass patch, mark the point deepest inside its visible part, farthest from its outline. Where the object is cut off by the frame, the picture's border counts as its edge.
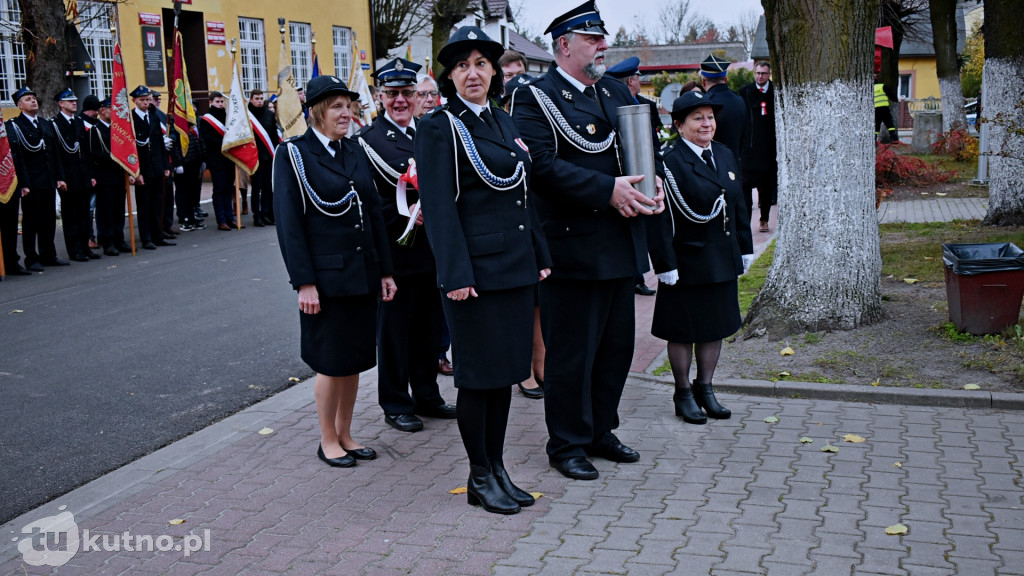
(964, 170)
(914, 250)
(751, 282)
(812, 338)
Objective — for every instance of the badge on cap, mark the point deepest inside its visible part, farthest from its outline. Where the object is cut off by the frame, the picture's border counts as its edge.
(471, 35)
(399, 66)
(335, 80)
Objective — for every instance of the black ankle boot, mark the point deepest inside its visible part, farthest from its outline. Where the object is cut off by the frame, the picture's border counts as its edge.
(482, 489)
(687, 408)
(522, 497)
(704, 395)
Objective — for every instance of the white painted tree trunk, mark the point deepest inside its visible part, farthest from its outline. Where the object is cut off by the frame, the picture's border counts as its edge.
(827, 269)
(1003, 86)
(953, 115)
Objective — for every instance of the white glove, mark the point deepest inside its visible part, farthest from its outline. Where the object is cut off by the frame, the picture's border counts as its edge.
(179, 170)
(748, 259)
(669, 278)
(168, 143)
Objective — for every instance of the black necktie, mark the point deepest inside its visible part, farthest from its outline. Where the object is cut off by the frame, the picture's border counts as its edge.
(489, 120)
(709, 160)
(339, 155)
(591, 93)
(410, 132)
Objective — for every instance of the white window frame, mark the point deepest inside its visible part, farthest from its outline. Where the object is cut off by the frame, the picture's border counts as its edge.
(905, 86)
(343, 58)
(300, 35)
(252, 51)
(99, 42)
(12, 50)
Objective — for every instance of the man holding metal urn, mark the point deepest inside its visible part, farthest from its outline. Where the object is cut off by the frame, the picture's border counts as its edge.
(590, 213)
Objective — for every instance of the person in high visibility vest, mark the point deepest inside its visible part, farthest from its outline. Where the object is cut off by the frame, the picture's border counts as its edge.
(883, 113)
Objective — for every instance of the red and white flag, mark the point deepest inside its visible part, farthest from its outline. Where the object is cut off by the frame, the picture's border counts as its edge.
(8, 177)
(122, 132)
(239, 143)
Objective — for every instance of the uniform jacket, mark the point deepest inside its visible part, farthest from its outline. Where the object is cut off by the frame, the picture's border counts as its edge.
(107, 172)
(42, 168)
(149, 140)
(345, 255)
(729, 120)
(758, 153)
(212, 142)
(702, 253)
(395, 148)
(77, 170)
(487, 238)
(588, 238)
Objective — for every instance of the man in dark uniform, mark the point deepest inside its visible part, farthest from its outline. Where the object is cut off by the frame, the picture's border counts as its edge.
(758, 157)
(154, 166)
(409, 326)
(74, 199)
(9, 213)
(589, 210)
(262, 181)
(34, 144)
(167, 193)
(222, 169)
(110, 186)
(730, 118)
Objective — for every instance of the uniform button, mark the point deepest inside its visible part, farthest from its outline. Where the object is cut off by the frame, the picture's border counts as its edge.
(723, 190)
(513, 154)
(566, 228)
(358, 227)
(519, 202)
(359, 248)
(521, 227)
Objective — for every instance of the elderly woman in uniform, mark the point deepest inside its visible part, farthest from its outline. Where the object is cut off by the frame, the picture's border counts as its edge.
(335, 247)
(700, 255)
(490, 253)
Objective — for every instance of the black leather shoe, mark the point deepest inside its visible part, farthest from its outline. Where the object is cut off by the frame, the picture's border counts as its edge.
(704, 395)
(404, 422)
(111, 251)
(361, 453)
(577, 468)
(346, 461)
(534, 393)
(257, 221)
(482, 489)
(686, 407)
(268, 220)
(18, 271)
(522, 497)
(644, 290)
(165, 242)
(36, 267)
(444, 411)
(149, 246)
(80, 258)
(614, 450)
(124, 247)
(56, 262)
(92, 255)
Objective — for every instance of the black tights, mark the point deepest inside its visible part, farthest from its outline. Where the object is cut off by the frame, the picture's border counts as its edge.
(483, 417)
(680, 354)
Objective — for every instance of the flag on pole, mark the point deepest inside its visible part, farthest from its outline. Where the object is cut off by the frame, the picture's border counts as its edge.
(357, 83)
(316, 66)
(239, 144)
(289, 108)
(122, 133)
(430, 69)
(408, 52)
(179, 105)
(8, 177)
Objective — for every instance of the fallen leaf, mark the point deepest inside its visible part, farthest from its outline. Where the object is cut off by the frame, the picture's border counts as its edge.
(16, 311)
(771, 419)
(459, 490)
(266, 431)
(176, 521)
(876, 382)
(896, 529)
(940, 193)
(853, 438)
(829, 448)
(787, 351)
(929, 258)
(536, 495)
(972, 387)
(897, 464)
(293, 379)
(784, 374)
(806, 440)
(910, 280)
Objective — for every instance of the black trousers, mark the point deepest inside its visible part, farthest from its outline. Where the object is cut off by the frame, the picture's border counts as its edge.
(187, 187)
(167, 203)
(588, 330)
(9, 231)
(767, 184)
(262, 184)
(39, 225)
(74, 215)
(883, 114)
(110, 209)
(408, 337)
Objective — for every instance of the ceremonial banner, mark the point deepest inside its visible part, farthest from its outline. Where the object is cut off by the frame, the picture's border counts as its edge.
(179, 105)
(239, 144)
(357, 83)
(289, 108)
(316, 66)
(122, 133)
(8, 178)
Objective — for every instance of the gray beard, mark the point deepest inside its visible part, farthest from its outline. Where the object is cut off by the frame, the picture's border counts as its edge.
(594, 71)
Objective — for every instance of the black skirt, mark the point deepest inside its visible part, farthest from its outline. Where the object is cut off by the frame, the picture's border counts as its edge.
(492, 337)
(696, 312)
(342, 339)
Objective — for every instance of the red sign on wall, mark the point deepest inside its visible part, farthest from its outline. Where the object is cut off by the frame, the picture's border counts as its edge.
(149, 19)
(215, 33)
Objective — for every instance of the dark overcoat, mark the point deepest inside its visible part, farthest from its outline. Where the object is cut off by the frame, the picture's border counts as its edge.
(36, 155)
(729, 120)
(759, 149)
(77, 170)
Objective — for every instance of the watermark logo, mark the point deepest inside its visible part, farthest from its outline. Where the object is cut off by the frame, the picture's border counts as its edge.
(54, 541)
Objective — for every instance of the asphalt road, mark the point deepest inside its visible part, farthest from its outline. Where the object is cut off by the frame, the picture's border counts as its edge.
(103, 362)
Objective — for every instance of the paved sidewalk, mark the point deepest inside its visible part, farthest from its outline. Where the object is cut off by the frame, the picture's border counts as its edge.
(933, 210)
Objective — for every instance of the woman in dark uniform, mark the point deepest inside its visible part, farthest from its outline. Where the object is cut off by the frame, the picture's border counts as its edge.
(701, 254)
(490, 253)
(335, 246)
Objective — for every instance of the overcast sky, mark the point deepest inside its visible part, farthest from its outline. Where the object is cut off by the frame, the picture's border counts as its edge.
(537, 14)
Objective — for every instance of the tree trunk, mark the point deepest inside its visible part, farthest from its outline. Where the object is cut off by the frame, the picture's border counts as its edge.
(446, 14)
(944, 36)
(827, 269)
(46, 51)
(1002, 87)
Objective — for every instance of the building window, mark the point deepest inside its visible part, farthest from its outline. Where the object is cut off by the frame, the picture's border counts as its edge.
(12, 51)
(904, 87)
(252, 50)
(343, 52)
(94, 23)
(504, 36)
(299, 36)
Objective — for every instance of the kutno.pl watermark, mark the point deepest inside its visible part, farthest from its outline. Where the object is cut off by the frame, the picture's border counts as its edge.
(54, 541)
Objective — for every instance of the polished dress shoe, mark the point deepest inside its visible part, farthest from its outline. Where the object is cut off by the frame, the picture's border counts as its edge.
(404, 422)
(56, 262)
(687, 408)
(613, 450)
(482, 489)
(522, 497)
(149, 246)
(165, 242)
(644, 290)
(346, 461)
(124, 247)
(92, 255)
(361, 453)
(444, 411)
(444, 366)
(80, 258)
(269, 221)
(35, 267)
(19, 271)
(534, 393)
(111, 251)
(704, 395)
(256, 221)
(576, 467)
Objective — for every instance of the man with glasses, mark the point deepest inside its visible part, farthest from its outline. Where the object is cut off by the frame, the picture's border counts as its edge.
(757, 157)
(409, 326)
(427, 95)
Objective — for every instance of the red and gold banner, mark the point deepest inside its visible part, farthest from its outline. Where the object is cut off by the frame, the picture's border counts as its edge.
(179, 105)
(122, 133)
(8, 178)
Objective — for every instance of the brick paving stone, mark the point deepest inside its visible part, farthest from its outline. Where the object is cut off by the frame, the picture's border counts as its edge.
(786, 568)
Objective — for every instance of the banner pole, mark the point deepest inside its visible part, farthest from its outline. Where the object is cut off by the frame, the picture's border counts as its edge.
(3, 271)
(131, 219)
(238, 199)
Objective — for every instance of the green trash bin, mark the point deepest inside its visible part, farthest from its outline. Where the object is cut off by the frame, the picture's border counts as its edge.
(984, 285)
